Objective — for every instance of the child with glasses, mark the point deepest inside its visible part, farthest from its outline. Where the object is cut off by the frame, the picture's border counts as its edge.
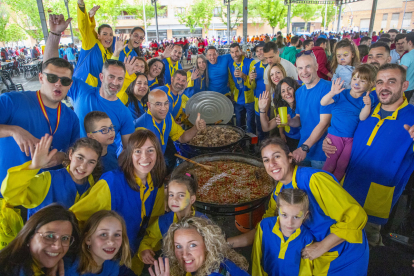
(104, 246)
(24, 186)
(99, 126)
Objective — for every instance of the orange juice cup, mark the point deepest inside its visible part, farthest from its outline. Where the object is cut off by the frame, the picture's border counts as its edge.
(283, 115)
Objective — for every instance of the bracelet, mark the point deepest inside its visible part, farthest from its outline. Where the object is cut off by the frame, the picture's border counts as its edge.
(262, 112)
(55, 34)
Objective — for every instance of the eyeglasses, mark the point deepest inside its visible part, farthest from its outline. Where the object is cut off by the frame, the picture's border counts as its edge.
(52, 78)
(51, 238)
(159, 105)
(139, 37)
(306, 53)
(105, 130)
(114, 62)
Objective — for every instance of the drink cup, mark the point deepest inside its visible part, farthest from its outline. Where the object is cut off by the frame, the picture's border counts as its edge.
(283, 115)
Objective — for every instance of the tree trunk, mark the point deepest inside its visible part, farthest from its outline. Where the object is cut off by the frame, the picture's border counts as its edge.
(273, 30)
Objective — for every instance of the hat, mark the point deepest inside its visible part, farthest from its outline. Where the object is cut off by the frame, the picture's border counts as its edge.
(261, 44)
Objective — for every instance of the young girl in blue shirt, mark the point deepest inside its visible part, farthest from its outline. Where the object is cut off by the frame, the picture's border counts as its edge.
(279, 240)
(181, 191)
(349, 107)
(104, 246)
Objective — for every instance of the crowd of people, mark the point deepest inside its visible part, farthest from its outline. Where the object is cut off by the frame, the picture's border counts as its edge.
(93, 179)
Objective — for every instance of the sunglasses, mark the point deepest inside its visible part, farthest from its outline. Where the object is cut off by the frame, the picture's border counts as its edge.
(52, 78)
(306, 53)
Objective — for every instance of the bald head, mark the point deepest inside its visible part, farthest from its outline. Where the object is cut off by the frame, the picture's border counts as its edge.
(307, 67)
(157, 95)
(158, 104)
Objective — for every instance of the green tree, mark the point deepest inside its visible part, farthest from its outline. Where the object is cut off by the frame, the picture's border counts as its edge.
(200, 14)
(330, 14)
(26, 14)
(138, 10)
(236, 13)
(273, 12)
(306, 12)
(14, 33)
(4, 19)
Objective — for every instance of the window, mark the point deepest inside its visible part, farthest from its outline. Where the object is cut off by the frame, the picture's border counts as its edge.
(394, 20)
(384, 21)
(162, 12)
(217, 12)
(123, 31)
(179, 10)
(186, 33)
(364, 25)
(407, 20)
(153, 34)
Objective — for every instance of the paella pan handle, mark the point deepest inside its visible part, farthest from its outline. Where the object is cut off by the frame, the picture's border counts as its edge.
(215, 211)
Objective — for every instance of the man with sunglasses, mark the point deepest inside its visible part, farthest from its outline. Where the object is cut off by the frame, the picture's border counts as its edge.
(161, 122)
(313, 118)
(87, 98)
(25, 117)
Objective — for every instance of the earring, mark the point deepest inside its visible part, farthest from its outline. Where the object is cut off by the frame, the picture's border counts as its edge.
(88, 246)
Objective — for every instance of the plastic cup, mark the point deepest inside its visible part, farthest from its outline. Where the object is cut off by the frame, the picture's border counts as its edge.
(283, 115)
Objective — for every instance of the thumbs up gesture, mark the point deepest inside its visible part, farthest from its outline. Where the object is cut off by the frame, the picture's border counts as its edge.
(410, 130)
(367, 98)
(200, 123)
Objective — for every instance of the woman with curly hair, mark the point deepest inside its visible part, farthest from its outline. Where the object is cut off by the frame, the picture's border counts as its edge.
(197, 246)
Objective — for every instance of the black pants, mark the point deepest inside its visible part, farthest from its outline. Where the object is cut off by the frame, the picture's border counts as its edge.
(292, 143)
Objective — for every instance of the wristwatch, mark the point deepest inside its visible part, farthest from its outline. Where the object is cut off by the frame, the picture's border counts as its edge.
(305, 148)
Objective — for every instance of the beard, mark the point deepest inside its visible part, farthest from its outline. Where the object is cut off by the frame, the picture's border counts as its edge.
(109, 92)
(394, 97)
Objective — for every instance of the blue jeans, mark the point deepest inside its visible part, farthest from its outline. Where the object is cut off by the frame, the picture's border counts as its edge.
(260, 133)
(241, 111)
(313, 163)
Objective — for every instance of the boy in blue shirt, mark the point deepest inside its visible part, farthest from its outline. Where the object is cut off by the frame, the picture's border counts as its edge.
(99, 126)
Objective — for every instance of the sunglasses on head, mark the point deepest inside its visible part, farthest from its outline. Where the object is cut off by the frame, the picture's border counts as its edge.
(306, 53)
(52, 78)
(114, 62)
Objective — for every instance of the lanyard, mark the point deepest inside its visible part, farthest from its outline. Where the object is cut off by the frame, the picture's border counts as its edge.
(169, 94)
(42, 107)
(172, 67)
(240, 67)
(155, 82)
(127, 54)
(144, 196)
(201, 83)
(163, 128)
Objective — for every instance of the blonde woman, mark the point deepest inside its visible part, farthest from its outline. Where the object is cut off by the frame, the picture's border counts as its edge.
(197, 246)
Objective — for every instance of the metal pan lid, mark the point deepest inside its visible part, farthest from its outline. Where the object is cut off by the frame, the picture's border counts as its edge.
(212, 106)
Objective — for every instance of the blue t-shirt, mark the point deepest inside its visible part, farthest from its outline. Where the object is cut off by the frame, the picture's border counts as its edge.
(86, 99)
(218, 74)
(170, 70)
(345, 113)
(308, 106)
(408, 60)
(134, 112)
(109, 268)
(69, 54)
(109, 160)
(152, 84)
(23, 109)
(294, 132)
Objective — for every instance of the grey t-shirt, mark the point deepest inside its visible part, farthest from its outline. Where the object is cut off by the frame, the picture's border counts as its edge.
(289, 68)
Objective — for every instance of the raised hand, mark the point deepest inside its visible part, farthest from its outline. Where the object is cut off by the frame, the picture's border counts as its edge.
(93, 11)
(367, 99)
(263, 101)
(168, 51)
(41, 156)
(195, 75)
(337, 86)
(119, 44)
(129, 64)
(57, 23)
(162, 268)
